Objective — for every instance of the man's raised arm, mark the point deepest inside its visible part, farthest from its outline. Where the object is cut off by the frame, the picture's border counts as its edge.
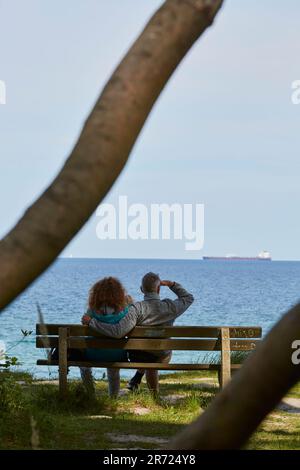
(175, 308)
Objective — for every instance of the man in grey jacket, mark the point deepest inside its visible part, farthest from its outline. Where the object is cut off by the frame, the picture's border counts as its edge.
(152, 311)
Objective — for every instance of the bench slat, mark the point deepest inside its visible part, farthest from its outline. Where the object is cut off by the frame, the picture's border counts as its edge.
(157, 332)
(147, 344)
(137, 365)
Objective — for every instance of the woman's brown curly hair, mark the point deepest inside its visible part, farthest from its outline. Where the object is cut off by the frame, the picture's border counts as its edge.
(108, 291)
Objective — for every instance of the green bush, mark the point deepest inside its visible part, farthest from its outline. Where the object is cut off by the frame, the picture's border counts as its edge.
(12, 398)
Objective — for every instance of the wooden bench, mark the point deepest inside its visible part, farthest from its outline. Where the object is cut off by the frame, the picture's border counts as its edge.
(177, 338)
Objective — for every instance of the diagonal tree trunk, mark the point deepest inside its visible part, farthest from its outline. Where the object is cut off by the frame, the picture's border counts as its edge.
(104, 144)
(253, 392)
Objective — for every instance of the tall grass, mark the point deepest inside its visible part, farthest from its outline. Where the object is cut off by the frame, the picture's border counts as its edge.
(237, 357)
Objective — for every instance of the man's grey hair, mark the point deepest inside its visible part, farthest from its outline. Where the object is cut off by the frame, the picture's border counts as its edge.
(150, 282)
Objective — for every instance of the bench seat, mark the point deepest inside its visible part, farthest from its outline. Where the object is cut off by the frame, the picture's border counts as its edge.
(225, 339)
(137, 365)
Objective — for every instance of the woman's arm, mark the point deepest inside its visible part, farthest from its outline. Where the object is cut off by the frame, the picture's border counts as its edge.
(117, 330)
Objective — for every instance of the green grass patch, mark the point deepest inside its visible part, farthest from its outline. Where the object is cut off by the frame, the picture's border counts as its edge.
(32, 415)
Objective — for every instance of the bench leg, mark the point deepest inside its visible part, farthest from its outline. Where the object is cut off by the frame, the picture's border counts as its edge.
(63, 361)
(225, 370)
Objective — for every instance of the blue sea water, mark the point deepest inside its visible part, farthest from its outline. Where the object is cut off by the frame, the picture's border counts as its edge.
(226, 293)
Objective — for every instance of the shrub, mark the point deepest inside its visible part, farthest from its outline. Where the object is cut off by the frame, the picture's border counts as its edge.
(12, 399)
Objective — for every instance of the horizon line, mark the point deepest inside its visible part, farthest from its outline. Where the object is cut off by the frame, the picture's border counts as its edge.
(160, 259)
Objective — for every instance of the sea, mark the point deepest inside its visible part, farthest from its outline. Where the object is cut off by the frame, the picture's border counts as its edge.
(245, 293)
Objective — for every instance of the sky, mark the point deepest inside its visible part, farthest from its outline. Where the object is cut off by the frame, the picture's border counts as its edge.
(224, 132)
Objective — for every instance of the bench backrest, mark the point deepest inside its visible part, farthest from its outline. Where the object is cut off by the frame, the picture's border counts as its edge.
(177, 338)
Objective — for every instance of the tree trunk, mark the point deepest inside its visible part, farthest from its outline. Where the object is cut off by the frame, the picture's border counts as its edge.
(254, 391)
(104, 144)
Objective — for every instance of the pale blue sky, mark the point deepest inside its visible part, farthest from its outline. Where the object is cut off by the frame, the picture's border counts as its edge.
(223, 133)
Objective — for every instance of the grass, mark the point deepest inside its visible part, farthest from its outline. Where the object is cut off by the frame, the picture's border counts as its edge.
(33, 416)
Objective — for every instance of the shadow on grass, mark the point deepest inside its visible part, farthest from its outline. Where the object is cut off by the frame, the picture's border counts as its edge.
(85, 431)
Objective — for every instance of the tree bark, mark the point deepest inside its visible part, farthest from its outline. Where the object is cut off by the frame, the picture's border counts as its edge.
(253, 392)
(104, 144)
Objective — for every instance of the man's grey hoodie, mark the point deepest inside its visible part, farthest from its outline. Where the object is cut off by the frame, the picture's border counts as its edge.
(152, 311)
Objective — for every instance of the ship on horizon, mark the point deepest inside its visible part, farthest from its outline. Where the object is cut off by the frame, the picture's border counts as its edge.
(262, 256)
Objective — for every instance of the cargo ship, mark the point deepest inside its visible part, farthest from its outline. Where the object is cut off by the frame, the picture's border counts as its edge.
(262, 256)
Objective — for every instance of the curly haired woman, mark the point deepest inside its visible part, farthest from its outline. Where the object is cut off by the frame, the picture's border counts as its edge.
(108, 303)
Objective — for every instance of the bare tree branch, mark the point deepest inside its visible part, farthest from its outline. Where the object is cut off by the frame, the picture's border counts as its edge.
(104, 144)
(253, 392)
